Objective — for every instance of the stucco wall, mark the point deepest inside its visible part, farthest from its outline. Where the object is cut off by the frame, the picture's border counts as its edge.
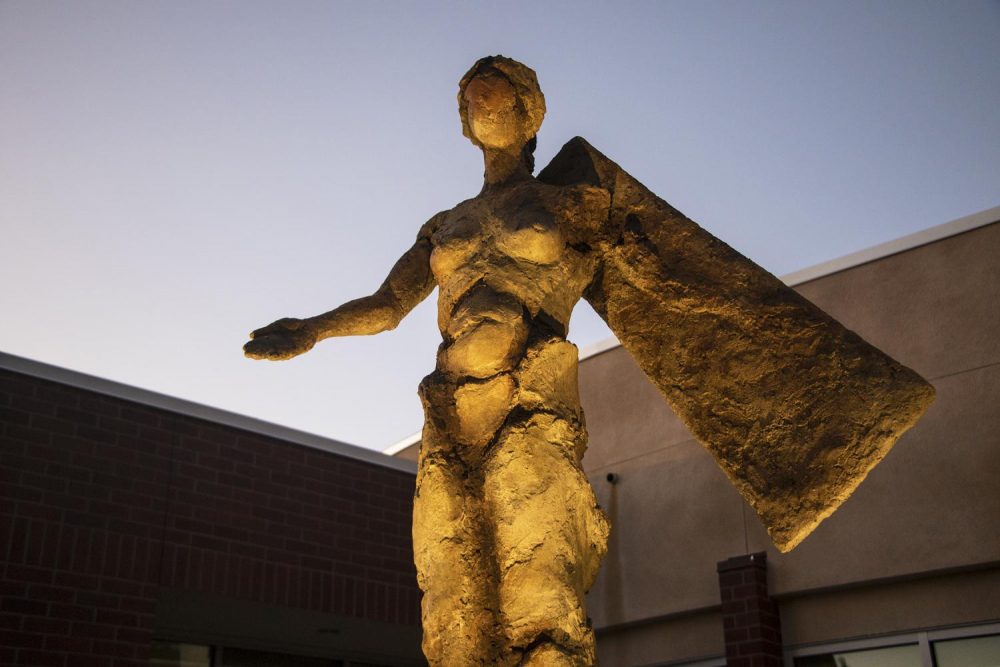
(929, 514)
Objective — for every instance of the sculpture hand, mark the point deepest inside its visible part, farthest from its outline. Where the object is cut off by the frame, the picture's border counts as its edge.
(283, 339)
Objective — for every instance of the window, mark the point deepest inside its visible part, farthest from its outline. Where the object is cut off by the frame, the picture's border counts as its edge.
(171, 654)
(176, 654)
(974, 646)
(890, 656)
(968, 652)
(239, 657)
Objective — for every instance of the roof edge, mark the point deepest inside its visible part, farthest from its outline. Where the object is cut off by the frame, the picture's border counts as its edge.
(408, 441)
(855, 259)
(849, 261)
(894, 247)
(153, 399)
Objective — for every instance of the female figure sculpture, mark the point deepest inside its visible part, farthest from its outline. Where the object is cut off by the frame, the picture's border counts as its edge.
(507, 532)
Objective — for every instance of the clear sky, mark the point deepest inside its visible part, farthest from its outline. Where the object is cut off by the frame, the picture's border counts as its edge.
(175, 174)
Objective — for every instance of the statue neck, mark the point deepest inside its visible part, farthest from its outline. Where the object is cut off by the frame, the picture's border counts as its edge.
(503, 167)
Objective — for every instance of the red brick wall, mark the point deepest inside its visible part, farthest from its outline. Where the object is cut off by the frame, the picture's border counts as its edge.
(104, 501)
(750, 620)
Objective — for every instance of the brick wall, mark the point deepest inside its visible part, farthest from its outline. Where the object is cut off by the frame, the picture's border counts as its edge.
(104, 501)
(750, 621)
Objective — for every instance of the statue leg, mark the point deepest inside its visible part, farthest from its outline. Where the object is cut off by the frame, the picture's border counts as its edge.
(549, 534)
(458, 607)
(507, 534)
(549, 537)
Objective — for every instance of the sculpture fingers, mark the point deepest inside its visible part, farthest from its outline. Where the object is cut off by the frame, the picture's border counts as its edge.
(273, 347)
(281, 326)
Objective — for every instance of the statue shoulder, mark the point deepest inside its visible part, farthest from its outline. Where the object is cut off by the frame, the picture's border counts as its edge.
(578, 163)
(428, 228)
(588, 178)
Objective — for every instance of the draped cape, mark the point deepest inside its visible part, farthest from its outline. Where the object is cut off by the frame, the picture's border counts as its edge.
(794, 407)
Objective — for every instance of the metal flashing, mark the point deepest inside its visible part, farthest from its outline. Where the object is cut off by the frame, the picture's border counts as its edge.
(894, 247)
(881, 251)
(153, 399)
(408, 441)
(854, 259)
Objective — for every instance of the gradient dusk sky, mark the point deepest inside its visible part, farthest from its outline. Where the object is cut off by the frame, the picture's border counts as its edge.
(175, 174)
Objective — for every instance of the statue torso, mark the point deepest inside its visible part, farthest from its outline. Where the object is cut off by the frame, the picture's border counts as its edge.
(510, 260)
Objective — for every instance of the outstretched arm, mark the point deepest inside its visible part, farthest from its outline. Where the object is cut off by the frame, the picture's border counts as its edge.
(409, 282)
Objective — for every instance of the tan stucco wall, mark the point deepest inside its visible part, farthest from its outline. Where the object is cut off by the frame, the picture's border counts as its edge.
(932, 505)
(692, 636)
(952, 599)
(917, 546)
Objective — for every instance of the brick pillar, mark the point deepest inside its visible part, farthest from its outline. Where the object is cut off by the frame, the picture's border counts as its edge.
(750, 619)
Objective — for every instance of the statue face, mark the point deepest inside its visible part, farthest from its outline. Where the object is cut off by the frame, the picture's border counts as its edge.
(495, 117)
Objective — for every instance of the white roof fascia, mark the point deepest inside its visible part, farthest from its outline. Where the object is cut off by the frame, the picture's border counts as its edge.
(191, 409)
(408, 441)
(902, 244)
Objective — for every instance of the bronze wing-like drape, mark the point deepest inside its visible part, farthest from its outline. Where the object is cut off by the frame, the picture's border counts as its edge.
(793, 406)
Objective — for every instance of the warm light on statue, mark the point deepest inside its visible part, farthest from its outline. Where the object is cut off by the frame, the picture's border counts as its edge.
(507, 533)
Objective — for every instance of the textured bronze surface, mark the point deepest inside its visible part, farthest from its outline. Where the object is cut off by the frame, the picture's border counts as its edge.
(507, 533)
(794, 407)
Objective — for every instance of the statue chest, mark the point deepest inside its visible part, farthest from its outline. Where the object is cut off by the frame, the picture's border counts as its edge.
(524, 235)
(527, 229)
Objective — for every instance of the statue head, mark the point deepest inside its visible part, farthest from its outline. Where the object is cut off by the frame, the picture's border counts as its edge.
(500, 104)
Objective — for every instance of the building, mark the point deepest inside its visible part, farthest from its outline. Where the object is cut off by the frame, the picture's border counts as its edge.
(910, 560)
(138, 529)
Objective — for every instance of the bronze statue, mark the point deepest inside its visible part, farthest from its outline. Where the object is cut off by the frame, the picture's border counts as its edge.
(507, 532)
